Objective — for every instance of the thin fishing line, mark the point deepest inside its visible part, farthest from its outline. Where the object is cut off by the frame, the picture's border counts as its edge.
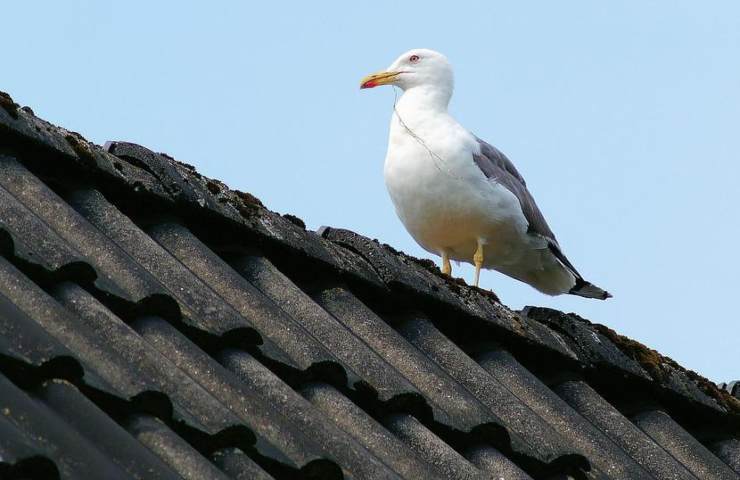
(435, 158)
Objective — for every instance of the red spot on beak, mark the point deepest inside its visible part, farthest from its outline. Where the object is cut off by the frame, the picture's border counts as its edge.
(369, 84)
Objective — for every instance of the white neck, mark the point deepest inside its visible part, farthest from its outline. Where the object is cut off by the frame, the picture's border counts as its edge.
(425, 98)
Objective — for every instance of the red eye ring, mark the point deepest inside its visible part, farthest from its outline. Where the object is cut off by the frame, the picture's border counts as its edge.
(414, 58)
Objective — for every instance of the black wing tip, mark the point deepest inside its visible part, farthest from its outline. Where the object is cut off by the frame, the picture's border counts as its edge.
(586, 289)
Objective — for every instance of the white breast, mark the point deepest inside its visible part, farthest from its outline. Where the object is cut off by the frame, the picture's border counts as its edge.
(442, 197)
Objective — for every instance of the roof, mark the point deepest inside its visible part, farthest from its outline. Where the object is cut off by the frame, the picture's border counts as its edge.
(156, 324)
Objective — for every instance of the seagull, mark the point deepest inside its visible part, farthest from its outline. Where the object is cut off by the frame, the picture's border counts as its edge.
(458, 196)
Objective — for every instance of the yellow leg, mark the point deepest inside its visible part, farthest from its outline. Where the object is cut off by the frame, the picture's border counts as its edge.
(446, 265)
(478, 260)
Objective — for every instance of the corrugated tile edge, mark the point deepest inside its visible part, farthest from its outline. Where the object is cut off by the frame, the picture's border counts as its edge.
(149, 176)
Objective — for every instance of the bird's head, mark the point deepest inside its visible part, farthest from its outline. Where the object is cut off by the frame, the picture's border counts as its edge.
(417, 67)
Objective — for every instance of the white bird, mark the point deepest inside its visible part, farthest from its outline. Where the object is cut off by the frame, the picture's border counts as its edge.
(459, 197)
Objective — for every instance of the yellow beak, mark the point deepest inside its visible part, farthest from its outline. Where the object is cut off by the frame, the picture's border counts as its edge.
(378, 79)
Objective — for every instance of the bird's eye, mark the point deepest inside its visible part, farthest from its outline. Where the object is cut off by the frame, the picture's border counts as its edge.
(414, 58)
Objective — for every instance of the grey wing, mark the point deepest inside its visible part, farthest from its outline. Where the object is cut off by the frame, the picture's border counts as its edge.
(498, 168)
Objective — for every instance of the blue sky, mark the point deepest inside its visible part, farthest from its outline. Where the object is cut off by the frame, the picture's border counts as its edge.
(622, 116)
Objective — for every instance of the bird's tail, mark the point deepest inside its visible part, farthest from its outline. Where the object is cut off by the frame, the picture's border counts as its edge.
(589, 290)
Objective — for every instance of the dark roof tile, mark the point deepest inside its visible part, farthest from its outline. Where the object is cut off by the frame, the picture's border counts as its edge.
(277, 438)
(333, 442)
(102, 367)
(491, 461)
(624, 433)
(238, 466)
(452, 404)
(32, 130)
(685, 448)
(22, 339)
(33, 240)
(74, 455)
(431, 448)
(590, 345)
(231, 341)
(181, 457)
(201, 307)
(586, 439)
(728, 451)
(368, 432)
(163, 169)
(356, 356)
(117, 274)
(297, 347)
(145, 368)
(15, 443)
(536, 436)
(107, 436)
